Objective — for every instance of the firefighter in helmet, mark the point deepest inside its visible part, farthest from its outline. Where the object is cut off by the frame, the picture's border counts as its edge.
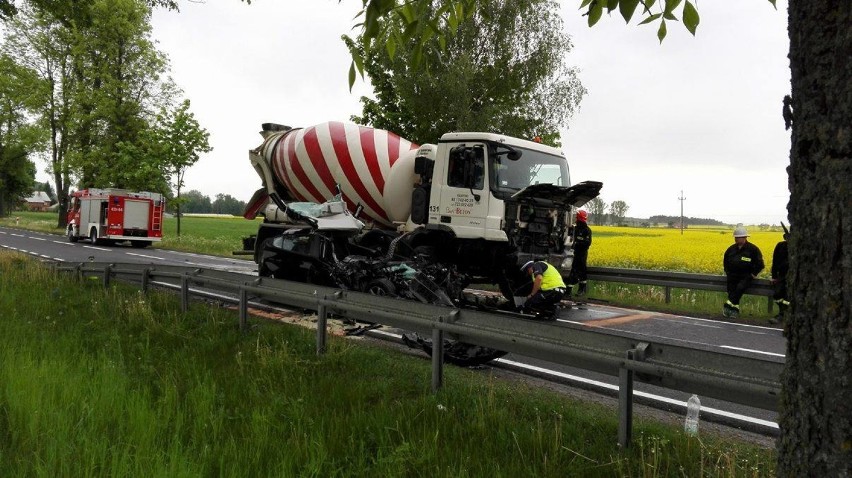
(780, 266)
(582, 242)
(742, 262)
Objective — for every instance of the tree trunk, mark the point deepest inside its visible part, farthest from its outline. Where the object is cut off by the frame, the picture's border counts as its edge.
(816, 409)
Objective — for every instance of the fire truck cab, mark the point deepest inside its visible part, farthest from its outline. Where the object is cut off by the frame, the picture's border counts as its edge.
(106, 216)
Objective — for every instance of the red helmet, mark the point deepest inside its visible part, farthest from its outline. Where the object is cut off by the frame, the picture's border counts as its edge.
(581, 215)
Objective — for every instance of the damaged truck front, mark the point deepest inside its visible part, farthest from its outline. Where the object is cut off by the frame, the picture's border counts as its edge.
(478, 204)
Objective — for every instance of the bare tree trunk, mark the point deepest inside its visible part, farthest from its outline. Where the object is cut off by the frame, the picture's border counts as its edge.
(816, 410)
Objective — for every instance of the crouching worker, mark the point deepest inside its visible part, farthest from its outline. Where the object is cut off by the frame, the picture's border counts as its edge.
(547, 289)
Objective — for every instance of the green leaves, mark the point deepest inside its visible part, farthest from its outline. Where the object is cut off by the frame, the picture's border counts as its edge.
(690, 17)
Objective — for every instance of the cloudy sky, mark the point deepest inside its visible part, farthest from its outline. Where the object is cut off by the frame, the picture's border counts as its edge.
(701, 115)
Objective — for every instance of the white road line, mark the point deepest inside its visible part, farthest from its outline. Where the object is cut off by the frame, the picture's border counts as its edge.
(98, 248)
(46, 257)
(752, 332)
(16, 235)
(665, 319)
(752, 350)
(143, 255)
(66, 243)
(710, 410)
(659, 398)
(38, 238)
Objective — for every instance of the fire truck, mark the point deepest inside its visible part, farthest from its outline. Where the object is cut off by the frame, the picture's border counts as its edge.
(107, 216)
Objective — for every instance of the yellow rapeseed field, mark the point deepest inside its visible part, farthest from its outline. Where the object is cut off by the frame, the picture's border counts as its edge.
(698, 250)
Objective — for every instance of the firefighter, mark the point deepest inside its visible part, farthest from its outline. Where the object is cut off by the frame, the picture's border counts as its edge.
(547, 290)
(742, 262)
(582, 242)
(780, 266)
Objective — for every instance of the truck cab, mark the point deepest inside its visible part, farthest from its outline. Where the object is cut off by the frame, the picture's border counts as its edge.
(477, 188)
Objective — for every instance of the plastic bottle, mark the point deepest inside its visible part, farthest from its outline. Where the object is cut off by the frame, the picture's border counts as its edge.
(693, 406)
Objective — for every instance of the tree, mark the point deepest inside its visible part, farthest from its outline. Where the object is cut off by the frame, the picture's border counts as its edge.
(195, 202)
(815, 415)
(597, 209)
(502, 71)
(618, 209)
(104, 87)
(46, 187)
(180, 140)
(18, 138)
(227, 204)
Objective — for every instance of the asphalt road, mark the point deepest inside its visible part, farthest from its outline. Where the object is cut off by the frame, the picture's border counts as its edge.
(689, 330)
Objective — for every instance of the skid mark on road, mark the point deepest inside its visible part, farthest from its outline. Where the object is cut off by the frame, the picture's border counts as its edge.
(625, 319)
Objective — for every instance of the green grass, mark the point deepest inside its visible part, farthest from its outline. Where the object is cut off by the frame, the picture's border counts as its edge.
(98, 382)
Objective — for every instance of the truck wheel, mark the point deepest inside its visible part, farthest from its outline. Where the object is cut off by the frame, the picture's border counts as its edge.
(140, 244)
(93, 236)
(381, 287)
(71, 236)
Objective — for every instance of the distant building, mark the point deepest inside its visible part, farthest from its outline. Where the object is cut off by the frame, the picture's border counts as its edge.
(37, 201)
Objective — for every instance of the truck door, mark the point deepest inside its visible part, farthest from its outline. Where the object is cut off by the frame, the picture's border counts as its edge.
(464, 197)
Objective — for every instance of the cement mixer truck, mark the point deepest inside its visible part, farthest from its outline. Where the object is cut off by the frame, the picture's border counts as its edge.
(474, 205)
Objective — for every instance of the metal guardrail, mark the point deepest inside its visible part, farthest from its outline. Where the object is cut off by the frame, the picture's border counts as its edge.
(677, 280)
(734, 376)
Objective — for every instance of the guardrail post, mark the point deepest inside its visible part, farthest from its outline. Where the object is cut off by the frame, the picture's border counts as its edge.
(79, 272)
(107, 273)
(769, 304)
(322, 323)
(625, 404)
(146, 277)
(625, 397)
(437, 359)
(668, 295)
(243, 307)
(438, 352)
(184, 293)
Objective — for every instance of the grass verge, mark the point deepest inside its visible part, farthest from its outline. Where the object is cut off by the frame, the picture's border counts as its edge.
(116, 383)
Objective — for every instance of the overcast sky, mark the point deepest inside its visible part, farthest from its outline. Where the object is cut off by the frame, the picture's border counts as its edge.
(701, 114)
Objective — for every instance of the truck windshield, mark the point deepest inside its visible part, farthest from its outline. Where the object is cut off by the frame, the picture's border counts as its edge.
(534, 167)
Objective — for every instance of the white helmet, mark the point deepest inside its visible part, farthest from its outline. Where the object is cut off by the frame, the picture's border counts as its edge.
(740, 232)
(527, 264)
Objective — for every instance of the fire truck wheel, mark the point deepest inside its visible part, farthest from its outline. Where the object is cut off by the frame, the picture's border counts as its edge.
(93, 236)
(71, 236)
(140, 244)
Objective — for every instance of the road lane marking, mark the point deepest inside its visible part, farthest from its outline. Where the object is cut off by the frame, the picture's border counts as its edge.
(38, 238)
(666, 319)
(752, 350)
(98, 248)
(651, 396)
(752, 332)
(143, 255)
(17, 235)
(65, 243)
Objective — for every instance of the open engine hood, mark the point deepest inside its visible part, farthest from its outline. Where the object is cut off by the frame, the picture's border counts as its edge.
(576, 195)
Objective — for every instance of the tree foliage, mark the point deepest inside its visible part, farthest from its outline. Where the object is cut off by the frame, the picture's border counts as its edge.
(179, 141)
(597, 210)
(227, 204)
(618, 209)
(19, 140)
(106, 87)
(502, 71)
(417, 22)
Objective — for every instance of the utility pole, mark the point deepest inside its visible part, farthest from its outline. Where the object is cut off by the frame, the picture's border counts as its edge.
(682, 199)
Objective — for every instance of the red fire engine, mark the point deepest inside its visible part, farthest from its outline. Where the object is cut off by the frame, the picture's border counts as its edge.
(106, 216)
